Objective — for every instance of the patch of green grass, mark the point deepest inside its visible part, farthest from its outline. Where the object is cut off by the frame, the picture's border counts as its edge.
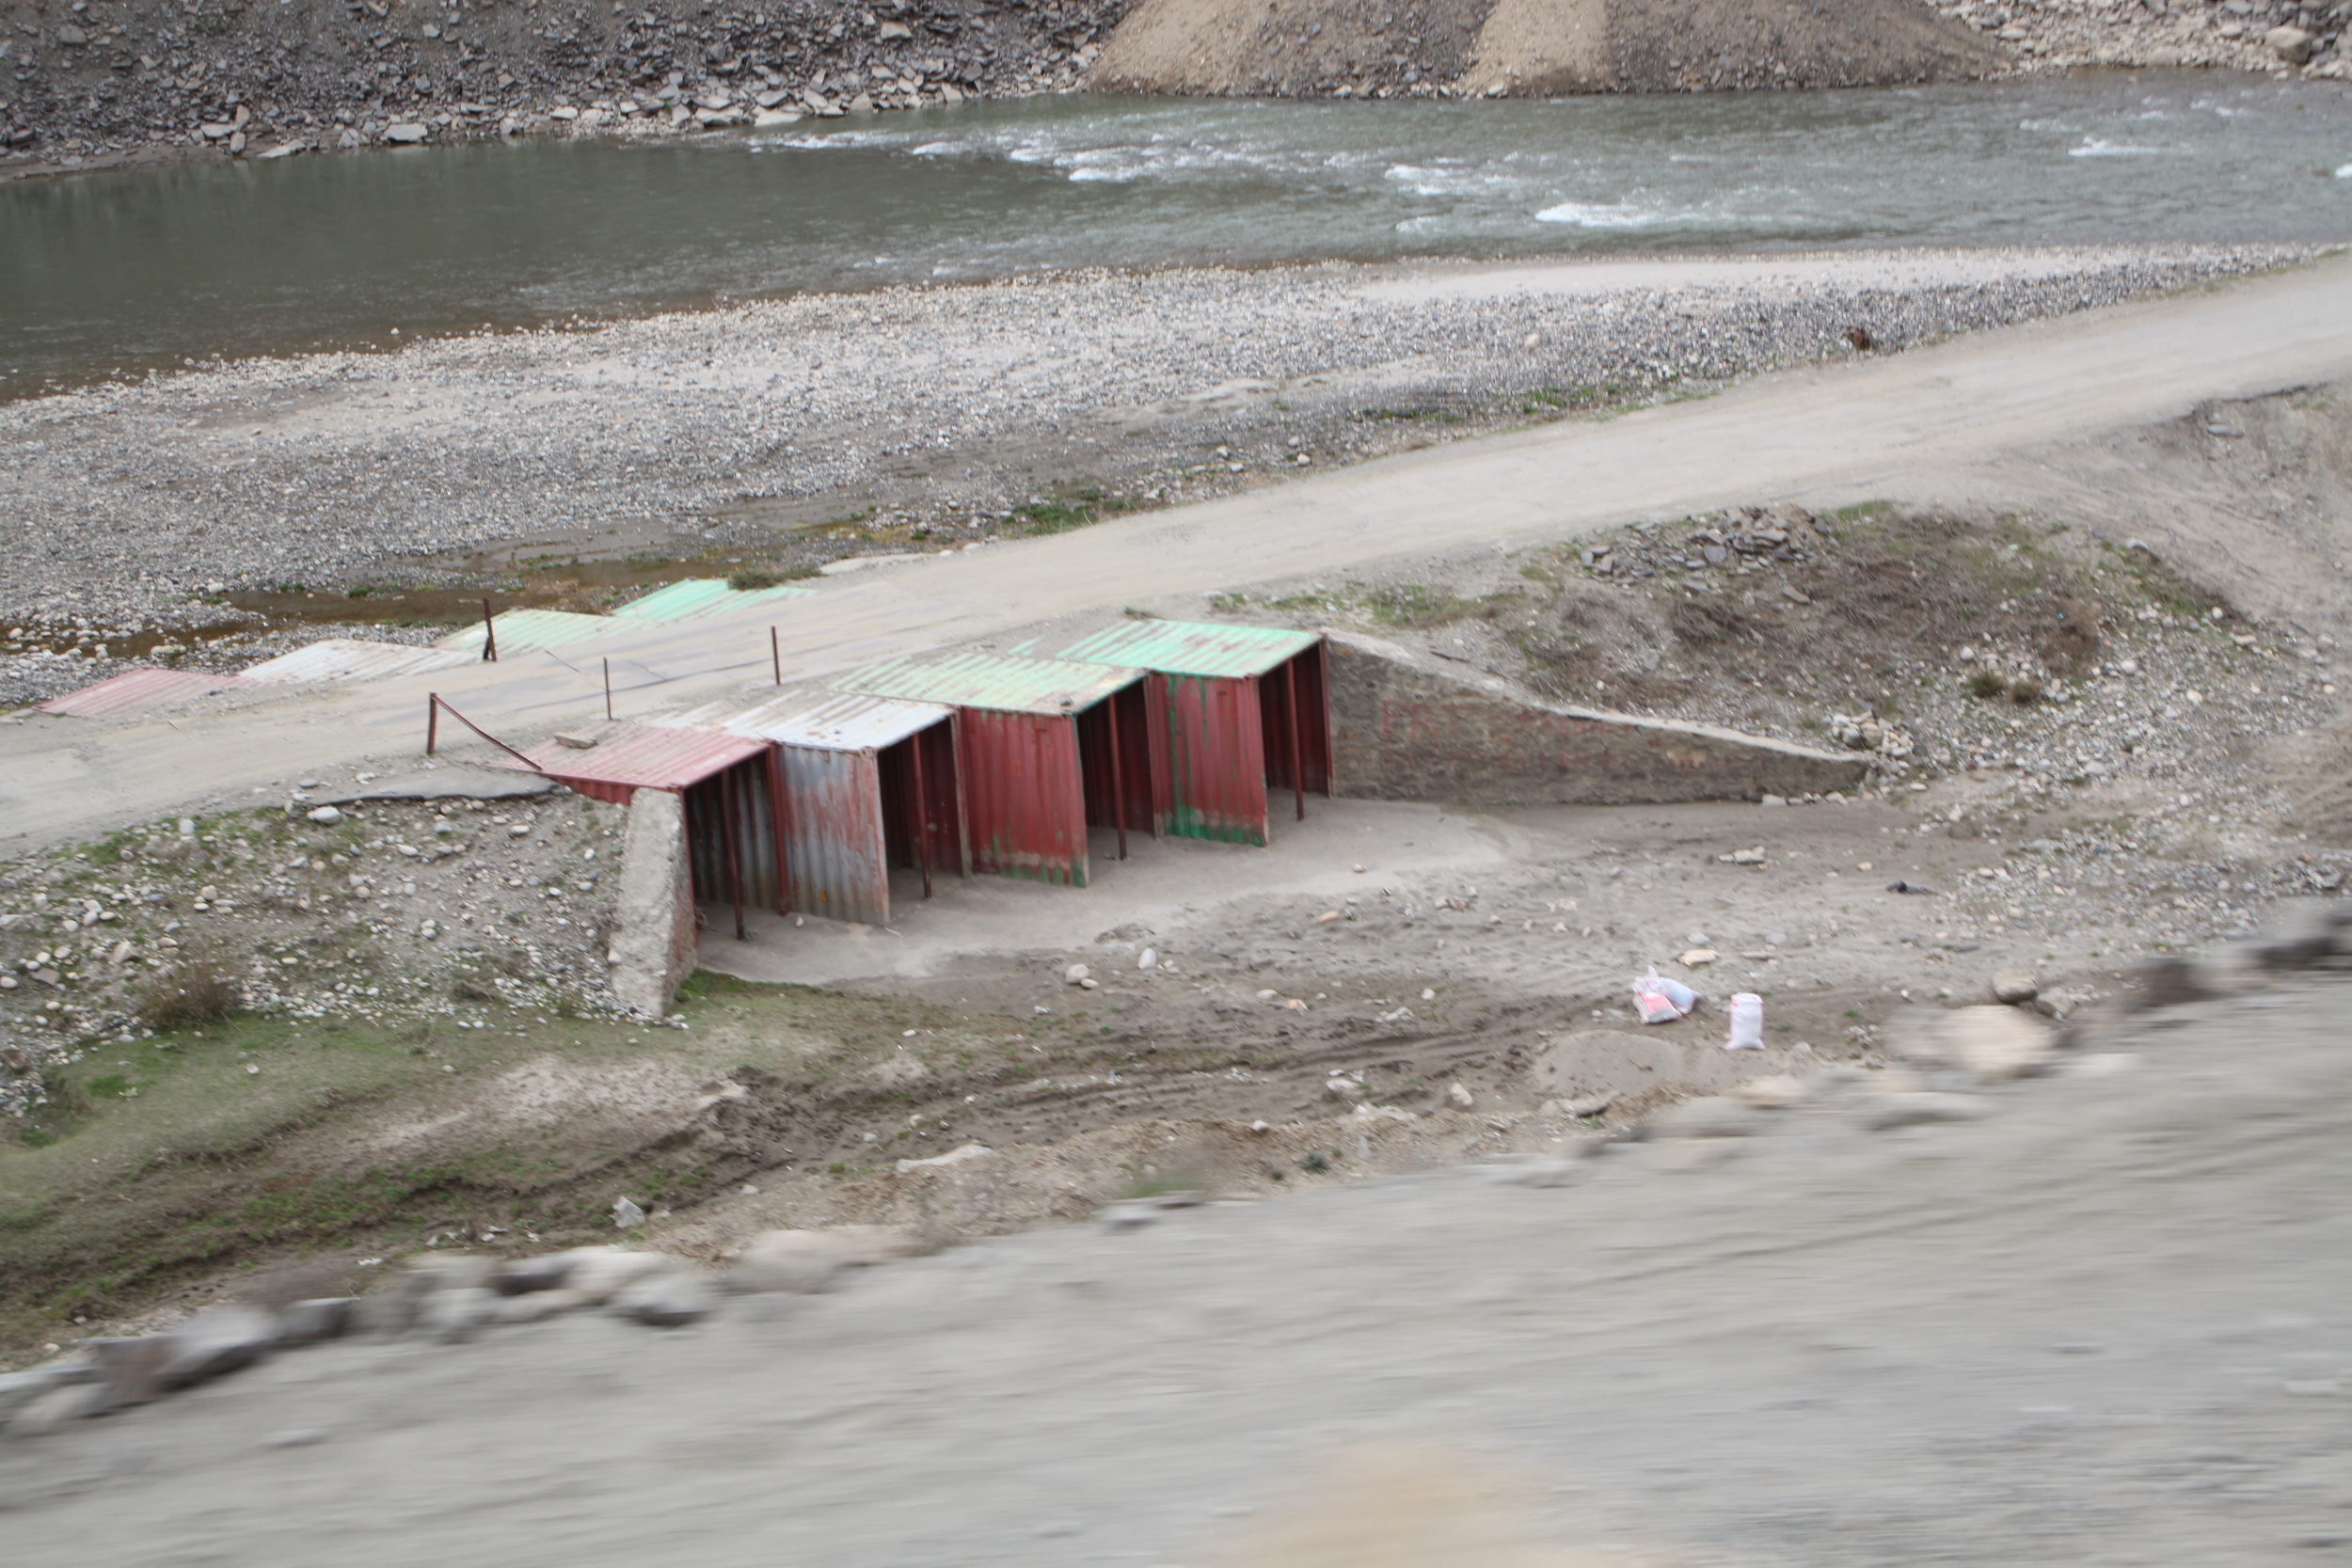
(167, 1161)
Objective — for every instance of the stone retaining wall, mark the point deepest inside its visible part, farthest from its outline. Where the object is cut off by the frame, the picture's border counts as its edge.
(1404, 729)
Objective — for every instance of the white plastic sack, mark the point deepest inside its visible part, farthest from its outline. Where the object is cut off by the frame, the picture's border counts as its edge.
(1747, 1022)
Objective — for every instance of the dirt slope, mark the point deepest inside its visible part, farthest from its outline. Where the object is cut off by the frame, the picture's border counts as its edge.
(1536, 48)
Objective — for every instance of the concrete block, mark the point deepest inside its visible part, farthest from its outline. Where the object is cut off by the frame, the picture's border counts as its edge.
(654, 943)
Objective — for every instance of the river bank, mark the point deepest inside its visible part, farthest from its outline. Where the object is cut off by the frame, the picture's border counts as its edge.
(790, 434)
(142, 81)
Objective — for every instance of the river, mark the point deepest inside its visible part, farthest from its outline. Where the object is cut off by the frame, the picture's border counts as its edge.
(114, 273)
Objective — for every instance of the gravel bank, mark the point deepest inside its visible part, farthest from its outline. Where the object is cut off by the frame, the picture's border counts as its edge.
(792, 433)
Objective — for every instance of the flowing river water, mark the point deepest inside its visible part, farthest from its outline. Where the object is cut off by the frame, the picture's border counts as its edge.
(115, 273)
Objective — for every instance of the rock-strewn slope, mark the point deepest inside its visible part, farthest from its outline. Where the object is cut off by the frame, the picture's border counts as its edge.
(83, 80)
(1536, 48)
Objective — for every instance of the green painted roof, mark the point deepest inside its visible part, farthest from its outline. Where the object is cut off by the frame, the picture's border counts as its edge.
(697, 597)
(520, 630)
(1193, 647)
(994, 681)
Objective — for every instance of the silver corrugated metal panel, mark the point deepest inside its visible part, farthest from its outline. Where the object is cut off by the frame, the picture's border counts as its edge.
(346, 659)
(842, 723)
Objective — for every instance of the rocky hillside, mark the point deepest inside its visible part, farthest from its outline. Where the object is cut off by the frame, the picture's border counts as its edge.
(85, 79)
(1543, 48)
(1532, 47)
(90, 84)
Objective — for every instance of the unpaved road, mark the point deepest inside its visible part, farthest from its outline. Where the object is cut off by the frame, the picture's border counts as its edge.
(1969, 421)
(2105, 1324)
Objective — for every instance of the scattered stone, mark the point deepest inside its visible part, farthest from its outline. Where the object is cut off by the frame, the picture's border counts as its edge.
(525, 1276)
(963, 1154)
(1076, 974)
(598, 1272)
(405, 131)
(451, 1316)
(2015, 986)
(1696, 956)
(222, 1340)
(1581, 1110)
(626, 1216)
(1459, 1096)
(305, 1323)
(2167, 982)
(326, 816)
(669, 1300)
(538, 1305)
(2290, 43)
(801, 1261)
(2302, 933)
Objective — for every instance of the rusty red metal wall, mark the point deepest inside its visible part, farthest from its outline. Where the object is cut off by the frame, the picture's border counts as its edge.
(942, 804)
(1024, 801)
(140, 691)
(1136, 772)
(1311, 720)
(1217, 762)
(736, 796)
(834, 834)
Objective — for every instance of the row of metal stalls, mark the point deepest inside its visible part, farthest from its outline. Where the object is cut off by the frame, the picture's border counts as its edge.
(964, 762)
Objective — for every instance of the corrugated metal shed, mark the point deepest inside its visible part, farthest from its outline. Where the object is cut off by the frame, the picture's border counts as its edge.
(345, 659)
(697, 598)
(1225, 717)
(638, 756)
(521, 630)
(850, 792)
(999, 682)
(140, 691)
(1193, 647)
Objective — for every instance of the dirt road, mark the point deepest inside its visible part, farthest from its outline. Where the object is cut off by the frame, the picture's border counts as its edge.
(1959, 422)
(2103, 1324)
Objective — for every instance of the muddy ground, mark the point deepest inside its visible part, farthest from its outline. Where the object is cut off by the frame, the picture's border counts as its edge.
(2099, 1323)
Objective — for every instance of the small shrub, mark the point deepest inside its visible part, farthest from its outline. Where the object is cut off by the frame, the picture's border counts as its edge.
(752, 578)
(1986, 684)
(195, 992)
(2025, 692)
(467, 990)
(1313, 1164)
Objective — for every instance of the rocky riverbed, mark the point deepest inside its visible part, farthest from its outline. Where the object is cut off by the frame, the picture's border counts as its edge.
(785, 435)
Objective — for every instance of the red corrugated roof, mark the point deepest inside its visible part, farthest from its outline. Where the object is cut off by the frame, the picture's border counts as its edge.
(139, 691)
(641, 756)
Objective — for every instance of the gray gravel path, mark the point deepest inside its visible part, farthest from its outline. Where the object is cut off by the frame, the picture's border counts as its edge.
(935, 414)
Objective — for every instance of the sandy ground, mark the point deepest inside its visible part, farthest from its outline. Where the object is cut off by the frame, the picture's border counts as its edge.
(2103, 1324)
(1971, 420)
